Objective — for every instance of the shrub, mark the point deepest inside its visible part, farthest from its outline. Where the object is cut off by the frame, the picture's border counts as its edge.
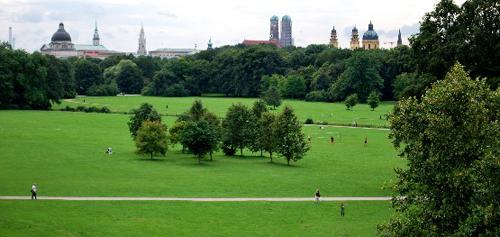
(316, 96)
(309, 121)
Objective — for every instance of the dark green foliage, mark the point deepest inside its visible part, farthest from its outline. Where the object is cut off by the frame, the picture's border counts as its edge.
(267, 136)
(272, 97)
(143, 113)
(175, 132)
(295, 87)
(289, 139)
(361, 77)
(32, 80)
(351, 101)
(151, 138)
(129, 77)
(200, 138)
(259, 107)
(87, 74)
(239, 127)
(450, 139)
(197, 111)
(309, 121)
(373, 100)
(317, 96)
(411, 84)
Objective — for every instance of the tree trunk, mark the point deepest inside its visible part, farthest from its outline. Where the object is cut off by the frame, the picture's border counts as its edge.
(183, 148)
(151, 155)
(211, 156)
(271, 156)
(241, 151)
(199, 159)
(261, 153)
(288, 162)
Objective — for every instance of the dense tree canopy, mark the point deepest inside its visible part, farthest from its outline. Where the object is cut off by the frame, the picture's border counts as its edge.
(151, 138)
(145, 112)
(450, 139)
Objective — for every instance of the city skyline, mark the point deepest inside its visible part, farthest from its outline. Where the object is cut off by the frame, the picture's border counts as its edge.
(175, 25)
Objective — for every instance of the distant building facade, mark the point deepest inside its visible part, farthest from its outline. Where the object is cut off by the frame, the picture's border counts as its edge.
(257, 42)
(334, 43)
(61, 46)
(370, 38)
(172, 53)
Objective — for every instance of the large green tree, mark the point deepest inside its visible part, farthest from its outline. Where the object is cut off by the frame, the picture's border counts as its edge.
(291, 143)
(200, 138)
(272, 97)
(87, 74)
(267, 133)
(239, 127)
(449, 137)
(151, 138)
(129, 77)
(143, 113)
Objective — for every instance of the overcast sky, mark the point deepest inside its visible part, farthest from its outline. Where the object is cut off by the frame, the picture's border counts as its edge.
(182, 24)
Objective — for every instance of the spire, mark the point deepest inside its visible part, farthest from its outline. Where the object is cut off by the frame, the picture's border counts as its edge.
(210, 43)
(96, 39)
(370, 26)
(142, 42)
(400, 41)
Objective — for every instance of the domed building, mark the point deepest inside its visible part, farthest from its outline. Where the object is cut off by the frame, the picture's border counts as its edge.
(61, 46)
(370, 38)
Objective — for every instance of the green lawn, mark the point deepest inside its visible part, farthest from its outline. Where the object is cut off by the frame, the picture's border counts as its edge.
(72, 218)
(318, 111)
(63, 152)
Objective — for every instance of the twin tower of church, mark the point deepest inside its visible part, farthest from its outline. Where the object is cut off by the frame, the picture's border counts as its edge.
(370, 38)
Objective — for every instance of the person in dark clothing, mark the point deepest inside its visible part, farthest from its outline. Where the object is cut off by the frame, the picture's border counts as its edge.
(366, 141)
(332, 140)
(33, 191)
(317, 195)
(342, 209)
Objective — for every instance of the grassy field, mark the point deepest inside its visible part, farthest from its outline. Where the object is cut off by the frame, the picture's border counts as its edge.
(318, 111)
(70, 218)
(63, 152)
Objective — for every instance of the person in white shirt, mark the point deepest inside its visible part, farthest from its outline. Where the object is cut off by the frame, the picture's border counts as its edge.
(33, 191)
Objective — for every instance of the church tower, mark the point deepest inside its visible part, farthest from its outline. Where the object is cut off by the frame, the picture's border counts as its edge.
(334, 43)
(400, 41)
(210, 43)
(142, 43)
(286, 31)
(274, 29)
(96, 40)
(354, 38)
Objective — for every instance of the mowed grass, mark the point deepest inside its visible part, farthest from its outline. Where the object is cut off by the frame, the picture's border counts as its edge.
(318, 111)
(63, 152)
(157, 218)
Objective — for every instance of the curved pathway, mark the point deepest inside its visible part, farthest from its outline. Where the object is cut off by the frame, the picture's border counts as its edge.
(201, 199)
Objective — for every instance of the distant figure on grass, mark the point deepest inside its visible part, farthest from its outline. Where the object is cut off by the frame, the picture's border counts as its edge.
(309, 138)
(332, 140)
(109, 151)
(33, 191)
(317, 195)
(342, 209)
(366, 141)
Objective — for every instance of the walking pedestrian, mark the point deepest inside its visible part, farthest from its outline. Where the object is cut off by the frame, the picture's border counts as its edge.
(317, 195)
(342, 209)
(366, 141)
(33, 191)
(332, 140)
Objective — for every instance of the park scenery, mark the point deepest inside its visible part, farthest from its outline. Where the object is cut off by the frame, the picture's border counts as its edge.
(266, 139)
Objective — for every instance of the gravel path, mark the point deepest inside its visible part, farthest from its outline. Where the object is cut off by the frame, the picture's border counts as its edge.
(196, 199)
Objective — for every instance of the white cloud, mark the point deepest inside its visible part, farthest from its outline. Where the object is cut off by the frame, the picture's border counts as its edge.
(188, 22)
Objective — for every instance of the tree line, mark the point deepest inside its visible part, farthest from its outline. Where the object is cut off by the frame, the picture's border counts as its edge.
(202, 133)
(469, 34)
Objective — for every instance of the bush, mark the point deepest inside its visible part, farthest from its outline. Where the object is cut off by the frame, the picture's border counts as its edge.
(110, 89)
(317, 96)
(309, 121)
(91, 109)
(80, 108)
(105, 110)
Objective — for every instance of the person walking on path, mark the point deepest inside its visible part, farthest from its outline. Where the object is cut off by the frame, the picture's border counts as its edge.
(332, 140)
(342, 209)
(317, 195)
(33, 191)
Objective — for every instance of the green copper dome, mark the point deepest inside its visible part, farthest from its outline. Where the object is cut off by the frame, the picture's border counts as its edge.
(275, 18)
(370, 34)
